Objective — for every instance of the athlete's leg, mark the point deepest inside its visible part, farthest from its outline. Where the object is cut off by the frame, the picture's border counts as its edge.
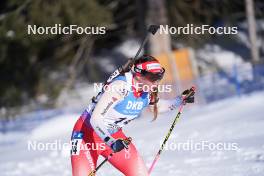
(128, 161)
(83, 160)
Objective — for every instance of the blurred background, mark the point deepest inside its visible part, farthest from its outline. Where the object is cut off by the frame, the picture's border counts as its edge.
(47, 80)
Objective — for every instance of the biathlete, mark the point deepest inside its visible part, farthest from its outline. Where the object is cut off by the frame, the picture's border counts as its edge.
(100, 126)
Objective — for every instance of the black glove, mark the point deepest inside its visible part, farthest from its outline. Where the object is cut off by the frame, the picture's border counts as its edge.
(120, 144)
(188, 96)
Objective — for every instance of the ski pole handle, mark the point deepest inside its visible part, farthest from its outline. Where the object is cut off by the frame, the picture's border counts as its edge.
(153, 30)
(191, 92)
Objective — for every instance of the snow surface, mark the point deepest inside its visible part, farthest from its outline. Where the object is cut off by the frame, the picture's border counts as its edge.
(235, 120)
(223, 58)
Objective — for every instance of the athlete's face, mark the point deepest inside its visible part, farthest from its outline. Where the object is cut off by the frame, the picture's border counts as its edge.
(143, 83)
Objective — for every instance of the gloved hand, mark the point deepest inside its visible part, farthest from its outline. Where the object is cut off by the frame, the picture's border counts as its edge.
(120, 144)
(188, 96)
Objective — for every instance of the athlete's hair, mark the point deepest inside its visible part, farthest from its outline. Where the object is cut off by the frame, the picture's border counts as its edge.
(154, 94)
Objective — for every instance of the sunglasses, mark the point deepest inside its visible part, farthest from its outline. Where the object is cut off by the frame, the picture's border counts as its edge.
(150, 75)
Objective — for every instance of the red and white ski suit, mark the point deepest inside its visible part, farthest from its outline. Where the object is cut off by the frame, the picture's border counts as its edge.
(101, 124)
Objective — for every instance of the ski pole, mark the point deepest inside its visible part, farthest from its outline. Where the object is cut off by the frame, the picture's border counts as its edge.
(170, 130)
(152, 29)
(128, 65)
(127, 142)
(100, 165)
